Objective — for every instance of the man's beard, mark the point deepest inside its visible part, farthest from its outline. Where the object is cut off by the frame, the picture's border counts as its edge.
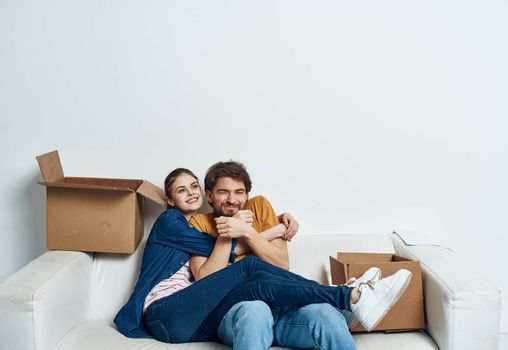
(219, 212)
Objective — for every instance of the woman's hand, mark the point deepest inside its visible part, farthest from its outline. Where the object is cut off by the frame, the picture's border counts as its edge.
(291, 226)
(246, 216)
(232, 227)
(274, 232)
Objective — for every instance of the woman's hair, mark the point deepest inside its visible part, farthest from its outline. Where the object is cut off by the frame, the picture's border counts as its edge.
(170, 179)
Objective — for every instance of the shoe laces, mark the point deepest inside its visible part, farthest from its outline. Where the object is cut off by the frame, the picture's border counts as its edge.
(369, 283)
(350, 281)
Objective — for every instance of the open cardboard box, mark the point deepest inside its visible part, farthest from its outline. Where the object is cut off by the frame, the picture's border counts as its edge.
(407, 313)
(93, 214)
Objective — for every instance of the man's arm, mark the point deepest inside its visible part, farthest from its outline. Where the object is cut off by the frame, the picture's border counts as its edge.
(274, 252)
(268, 245)
(202, 266)
(272, 233)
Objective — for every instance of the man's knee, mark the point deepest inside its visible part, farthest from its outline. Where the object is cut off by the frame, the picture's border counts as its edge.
(247, 322)
(329, 326)
(324, 316)
(311, 326)
(253, 313)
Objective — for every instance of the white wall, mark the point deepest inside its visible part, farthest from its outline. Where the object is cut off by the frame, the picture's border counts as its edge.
(358, 117)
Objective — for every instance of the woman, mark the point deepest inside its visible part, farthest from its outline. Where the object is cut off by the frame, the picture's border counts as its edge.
(195, 310)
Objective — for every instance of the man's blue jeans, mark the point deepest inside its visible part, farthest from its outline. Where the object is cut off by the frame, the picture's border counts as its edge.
(252, 325)
(194, 313)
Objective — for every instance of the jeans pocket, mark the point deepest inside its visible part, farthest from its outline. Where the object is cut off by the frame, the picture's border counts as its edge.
(158, 330)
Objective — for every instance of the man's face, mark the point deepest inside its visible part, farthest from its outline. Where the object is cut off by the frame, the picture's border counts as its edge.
(227, 196)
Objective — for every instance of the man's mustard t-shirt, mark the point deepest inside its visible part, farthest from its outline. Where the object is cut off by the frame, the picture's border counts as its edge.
(264, 218)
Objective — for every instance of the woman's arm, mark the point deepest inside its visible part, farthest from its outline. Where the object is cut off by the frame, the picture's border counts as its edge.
(291, 225)
(203, 266)
(172, 230)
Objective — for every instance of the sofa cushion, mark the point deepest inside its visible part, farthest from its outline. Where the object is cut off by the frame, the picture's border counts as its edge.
(417, 340)
(113, 279)
(100, 334)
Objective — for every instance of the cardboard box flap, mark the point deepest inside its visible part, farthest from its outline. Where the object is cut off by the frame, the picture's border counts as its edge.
(337, 270)
(364, 257)
(51, 167)
(106, 182)
(152, 192)
(85, 186)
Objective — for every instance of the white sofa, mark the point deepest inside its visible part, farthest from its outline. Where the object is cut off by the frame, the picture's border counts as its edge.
(67, 300)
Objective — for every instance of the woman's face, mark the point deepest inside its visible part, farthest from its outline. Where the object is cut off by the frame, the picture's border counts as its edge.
(186, 195)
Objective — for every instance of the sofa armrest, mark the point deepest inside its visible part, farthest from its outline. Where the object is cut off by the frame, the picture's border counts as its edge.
(462, 307)
(44, 300)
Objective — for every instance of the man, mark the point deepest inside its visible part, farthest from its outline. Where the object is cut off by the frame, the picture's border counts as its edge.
(253, 324)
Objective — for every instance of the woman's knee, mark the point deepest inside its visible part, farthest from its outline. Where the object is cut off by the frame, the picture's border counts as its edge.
(248, 262)
(262, 276)
(249, 259)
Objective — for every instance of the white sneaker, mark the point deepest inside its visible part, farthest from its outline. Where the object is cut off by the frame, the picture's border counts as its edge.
(376, 298)
(372, 274)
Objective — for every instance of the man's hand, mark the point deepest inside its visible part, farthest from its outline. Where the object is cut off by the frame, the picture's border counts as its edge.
(246, 216)
(291, 226)
(232, 227)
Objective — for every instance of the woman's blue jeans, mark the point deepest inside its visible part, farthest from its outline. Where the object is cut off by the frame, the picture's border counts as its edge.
(194, 313)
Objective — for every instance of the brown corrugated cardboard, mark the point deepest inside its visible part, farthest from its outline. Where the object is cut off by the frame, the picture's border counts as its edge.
(407, 313)
(93, 214)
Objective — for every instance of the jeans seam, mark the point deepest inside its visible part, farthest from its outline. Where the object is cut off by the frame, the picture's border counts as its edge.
(306, 326)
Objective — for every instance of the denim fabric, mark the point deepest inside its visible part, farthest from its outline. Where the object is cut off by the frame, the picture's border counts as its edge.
(169, 246)
(248, 325)
(313, 326)
(194, 313)
(252, 325)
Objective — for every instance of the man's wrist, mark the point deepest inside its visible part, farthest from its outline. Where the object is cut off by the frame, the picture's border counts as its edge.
(247, 235)
(224, 239)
